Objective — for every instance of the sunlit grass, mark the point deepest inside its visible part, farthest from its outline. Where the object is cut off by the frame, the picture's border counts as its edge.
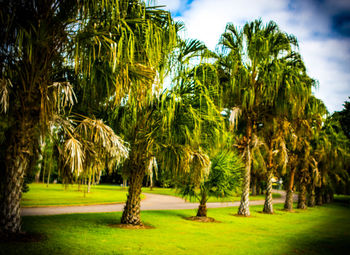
(58, 194)
(173, 192)
(320, 230)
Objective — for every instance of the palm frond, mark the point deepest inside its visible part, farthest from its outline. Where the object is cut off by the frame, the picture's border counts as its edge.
(5, 86)
(74, 154)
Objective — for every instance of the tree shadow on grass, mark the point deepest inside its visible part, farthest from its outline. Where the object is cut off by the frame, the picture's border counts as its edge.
(332, 236)
(172, 213)
(25, 237)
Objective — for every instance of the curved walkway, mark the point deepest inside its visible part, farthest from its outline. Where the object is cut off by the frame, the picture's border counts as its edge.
(152, 202)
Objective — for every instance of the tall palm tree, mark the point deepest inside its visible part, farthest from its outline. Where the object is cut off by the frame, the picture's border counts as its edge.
(303, 122)
(167, 127)
(332, 158)
(274, 133)
(251, 68)
(293, 94)
(87, 36)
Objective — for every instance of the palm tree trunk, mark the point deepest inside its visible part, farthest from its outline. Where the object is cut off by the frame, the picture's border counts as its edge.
(244, 205)
(311, 196)
(18, 155)
(327, 197)
(125, 183)
(268, 207)
(253, 185)
(132, 210)
(202, 209)
(319, 198)
(99, 177)
(37, 176)
(259, 190)
(302, 196)
(89, 184)
(40, 158)
(48, 177)
(43, 167)
(288, 205)
(49, 171)
(151, 181)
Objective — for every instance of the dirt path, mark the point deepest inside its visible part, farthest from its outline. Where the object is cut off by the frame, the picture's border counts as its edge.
(152, 202)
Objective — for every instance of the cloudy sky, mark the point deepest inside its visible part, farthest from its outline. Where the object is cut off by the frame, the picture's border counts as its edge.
(321, 26)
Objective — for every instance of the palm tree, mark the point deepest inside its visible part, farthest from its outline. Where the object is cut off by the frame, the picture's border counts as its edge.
(274, 132)
(168, 127)
(331, 160)
(307, 117)
(223, 179)
(293, 94)
(93, 37)
(28, 51)
(250, 68)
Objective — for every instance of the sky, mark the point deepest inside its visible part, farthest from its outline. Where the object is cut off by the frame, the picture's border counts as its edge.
(321, 26)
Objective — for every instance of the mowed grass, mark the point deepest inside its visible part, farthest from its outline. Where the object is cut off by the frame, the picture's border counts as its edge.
(40, 195)
(173, 192)
(319, 230)
(57, 195)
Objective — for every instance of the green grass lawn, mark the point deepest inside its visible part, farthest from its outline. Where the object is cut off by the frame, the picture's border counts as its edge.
(319, 230)
(172, 192)
(56, 194)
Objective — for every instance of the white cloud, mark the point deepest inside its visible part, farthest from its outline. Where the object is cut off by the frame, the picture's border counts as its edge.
(327, 59)
(328, 62)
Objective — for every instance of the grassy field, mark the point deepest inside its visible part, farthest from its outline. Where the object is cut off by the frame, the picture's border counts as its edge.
(57, 195)
(172, 192)
(320, 230)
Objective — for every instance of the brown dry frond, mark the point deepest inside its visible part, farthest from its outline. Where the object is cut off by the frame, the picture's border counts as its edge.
(74, 154)
(107, 143)
(5, 85)
(233, 120)
(64, 94)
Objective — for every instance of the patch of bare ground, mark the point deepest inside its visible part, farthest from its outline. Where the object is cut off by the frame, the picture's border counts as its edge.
(201, 219)
(130, 226)
(24, 237)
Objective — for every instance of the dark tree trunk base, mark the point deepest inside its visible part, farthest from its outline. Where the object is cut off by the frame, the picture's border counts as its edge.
(312, 201)
(302, 206)
(244, 209)
(319, 199)
(302, 197)
(288, 205)
(132, 211)
(271, 213)
(268, 210)
(202, 210)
